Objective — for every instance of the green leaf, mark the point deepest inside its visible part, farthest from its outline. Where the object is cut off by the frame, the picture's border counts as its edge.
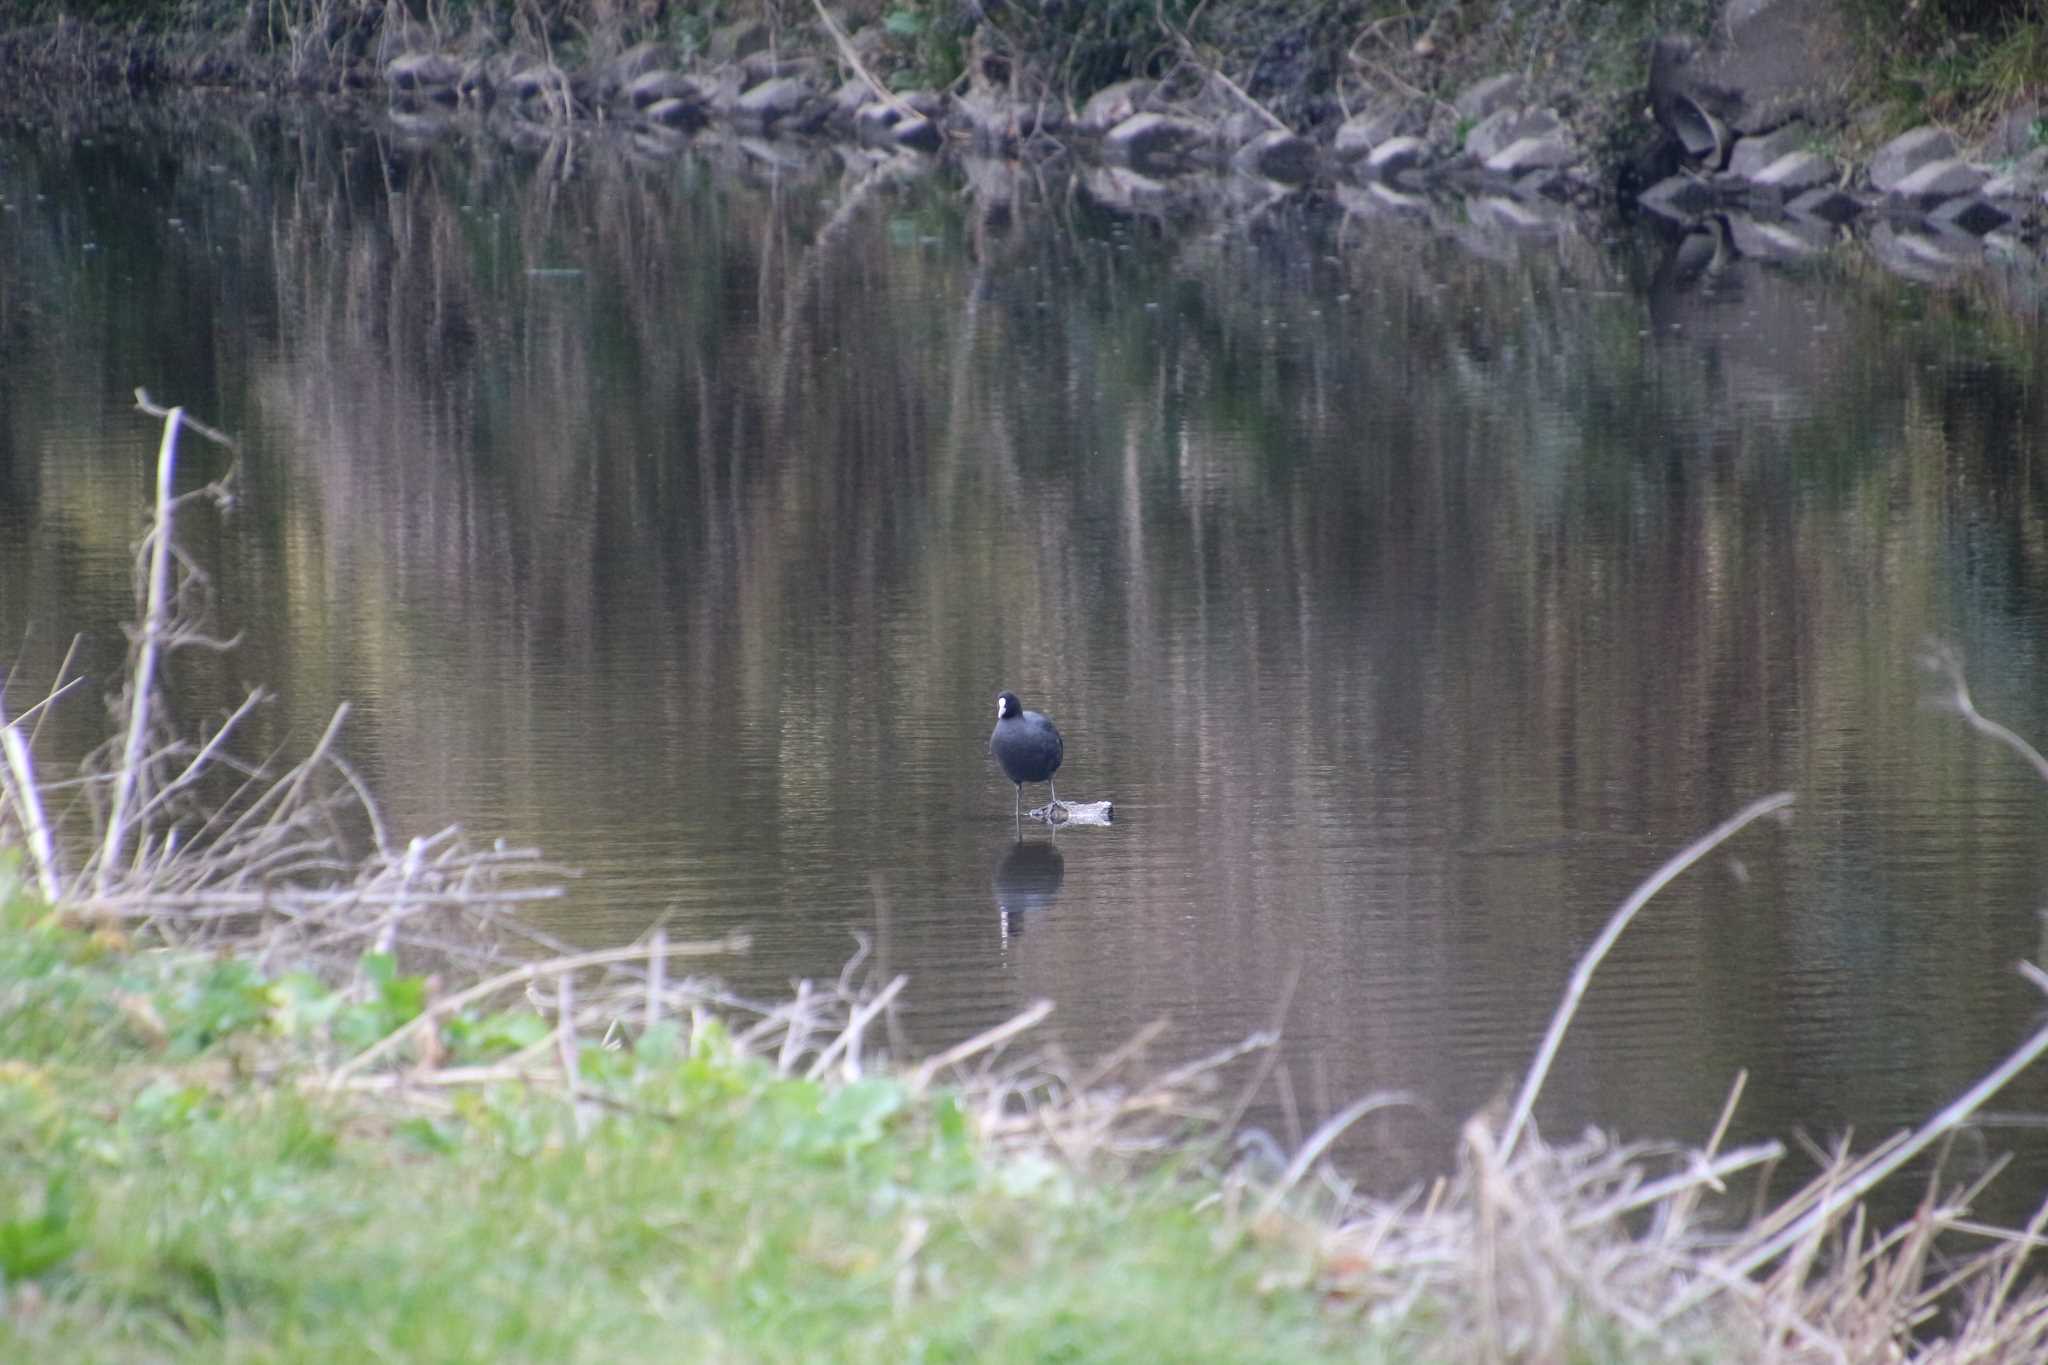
(33, 1244)
(903, 23)
(301, 1003)
(427, 1136)
(855, 1115)
(473, 1039)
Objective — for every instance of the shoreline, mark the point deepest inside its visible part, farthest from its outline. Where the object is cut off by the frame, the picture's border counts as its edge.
(1715, 137)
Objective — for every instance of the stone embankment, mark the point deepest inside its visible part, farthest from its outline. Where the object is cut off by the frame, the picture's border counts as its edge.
(1742, 133)
(1752, 130)
(1147, 129)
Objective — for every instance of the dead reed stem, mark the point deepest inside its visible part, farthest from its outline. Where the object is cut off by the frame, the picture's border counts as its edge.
(1589, 962)
(142, 681)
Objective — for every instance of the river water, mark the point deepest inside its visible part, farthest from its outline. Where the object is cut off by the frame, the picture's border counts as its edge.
(1412, 586)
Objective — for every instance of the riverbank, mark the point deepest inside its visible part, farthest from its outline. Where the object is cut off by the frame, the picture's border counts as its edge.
(190, 1175)
(1601, 100)
(210, 1159)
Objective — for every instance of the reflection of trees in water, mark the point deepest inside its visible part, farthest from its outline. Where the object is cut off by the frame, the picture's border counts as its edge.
(798, 460)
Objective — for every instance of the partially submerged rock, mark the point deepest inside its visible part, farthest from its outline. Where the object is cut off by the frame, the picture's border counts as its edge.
(423, 72)
(1506, 126)
(1545, 152)
(1487, 96)
(1359, 134)
(783, 100)
(1971, 214)
(1158, 143)
(1752, 155)
(1113, 104)
(1828, 204)
(651, 87)
(1797, 172)
(911, 121)
(1396, 156)
(1907, 153)
(2027, 180)
(1278, 155)
(677, 113)
(1935, 181)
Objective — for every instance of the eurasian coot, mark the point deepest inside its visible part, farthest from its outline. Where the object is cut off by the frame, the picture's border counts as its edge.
(1027, 746)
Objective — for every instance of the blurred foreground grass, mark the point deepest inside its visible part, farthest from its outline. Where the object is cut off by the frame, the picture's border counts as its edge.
(175, 1184)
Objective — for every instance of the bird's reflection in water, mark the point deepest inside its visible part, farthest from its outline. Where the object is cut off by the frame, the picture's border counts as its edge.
(1027, 879)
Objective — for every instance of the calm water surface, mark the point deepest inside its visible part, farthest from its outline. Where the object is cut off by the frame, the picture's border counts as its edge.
(1412, 591)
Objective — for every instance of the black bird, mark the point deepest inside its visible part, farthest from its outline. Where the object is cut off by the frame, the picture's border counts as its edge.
(1027, 745)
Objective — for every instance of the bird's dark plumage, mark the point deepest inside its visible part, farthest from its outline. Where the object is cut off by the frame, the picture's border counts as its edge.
(1026, 744)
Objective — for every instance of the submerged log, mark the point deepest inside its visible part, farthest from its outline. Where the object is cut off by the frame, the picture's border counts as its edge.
(1076, 813)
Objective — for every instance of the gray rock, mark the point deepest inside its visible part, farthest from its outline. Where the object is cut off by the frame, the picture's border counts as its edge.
(1551, 182)
(766, 66)
(1797, 172)
(721, 90)
(1360, 133)
(650, 87)
(1278, 154)
(634, 62)
(1126, 190)
(875, 123)
(417, 122)
(885, 125)
(2013, 134)
(990, 115)
(1538, 123)
(1907, 153)
(1235, 127)
(1156, 143)
(1938, 180)
(784, 100)
(1492, 133)
(1680, 197)
(1547, 152)
(917, 133)
(422, 71)
(1753, 154)
(1933, 258)
(1827, 204)
(1512, 215)
(1112, 104)
(1972, 215)
(737, 40)
(1395, 155)
(677, 113)
(1495, 92)
(1504, 127)
(538, 79)
(1771, 241)
(2028, 179)
(848, 99)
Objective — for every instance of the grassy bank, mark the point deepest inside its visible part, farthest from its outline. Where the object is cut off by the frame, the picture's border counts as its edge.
(181, 1184)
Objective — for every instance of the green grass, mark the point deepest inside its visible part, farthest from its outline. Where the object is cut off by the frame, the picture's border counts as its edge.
(169, 1190)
